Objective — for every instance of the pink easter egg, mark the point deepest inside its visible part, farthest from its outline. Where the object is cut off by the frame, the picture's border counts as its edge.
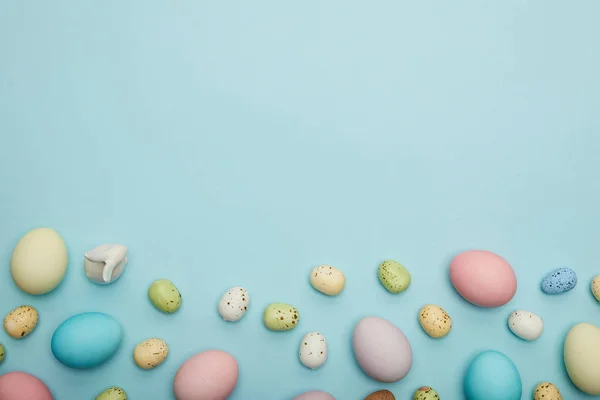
(315, 395)
(23, 386)
(483, 278)
(210, 375)
(381, 349)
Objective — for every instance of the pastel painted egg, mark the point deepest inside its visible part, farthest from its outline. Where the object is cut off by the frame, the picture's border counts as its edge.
(381, 349)
(39, 261)
(234, 303)
(327, 280)
(426, 393)
(525, 324)
(546, 391)
(596, 287)
(313, 350)
(150, 353)
(435, 321)
(23, 386)
(314, 395)
(483, 278)
(112, 393)
(2, 353)
(165, 296)
(210, 375)
(492, 376)
(86, 340)
(560, 280)
(281, 317)
(393, 276)
(582, 357)
(381, 395)
(21, 321)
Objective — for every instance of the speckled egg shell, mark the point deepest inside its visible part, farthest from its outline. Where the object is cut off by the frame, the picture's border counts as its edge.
(150, 353)
(313, 350)
(381, 349)
(113, 393)
(233, 304)
(582, 357)
(525, 324)
(381, 395)
(165, 296)
(483, 278)
(281, 317)
(2, 353)
(426, 393)
(327, 280)
(596, 287)
(393, 276)
(314, 395)
(23, 386)
(435, 321)
(21, 321)
(546, 391)
(560, 280)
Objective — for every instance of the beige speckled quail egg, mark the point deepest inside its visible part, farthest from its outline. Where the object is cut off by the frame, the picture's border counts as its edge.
(21, 321)
(150, 353)
(234, 304)
(596, 287)
(327, 280)
(435, 321)
(313, 350)
(546, 391)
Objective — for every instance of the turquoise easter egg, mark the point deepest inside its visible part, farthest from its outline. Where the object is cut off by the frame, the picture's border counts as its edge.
(86, 340)
(492, 376)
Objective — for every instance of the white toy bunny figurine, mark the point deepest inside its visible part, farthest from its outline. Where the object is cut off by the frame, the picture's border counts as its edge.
(105, 263)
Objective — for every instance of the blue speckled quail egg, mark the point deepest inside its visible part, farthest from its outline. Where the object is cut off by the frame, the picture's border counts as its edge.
(234, 304)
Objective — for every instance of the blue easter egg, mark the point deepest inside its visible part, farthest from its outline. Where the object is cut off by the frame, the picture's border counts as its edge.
(492, 376)
(86, 340)
(559, 281)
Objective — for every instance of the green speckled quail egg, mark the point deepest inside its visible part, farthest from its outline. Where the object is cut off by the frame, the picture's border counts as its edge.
(281, 317)
(426, 393)
(393, 276)
(313, 350)
(113, 393)
(2, 353)
(165, 296)
(234, 304)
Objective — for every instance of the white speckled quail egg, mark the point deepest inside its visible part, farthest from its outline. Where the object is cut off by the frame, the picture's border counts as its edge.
(21, 321)
(525, 324)
(150, 353)
(313, 350)
(234, 304)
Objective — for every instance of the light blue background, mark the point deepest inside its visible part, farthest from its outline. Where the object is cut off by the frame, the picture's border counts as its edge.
(245, 143)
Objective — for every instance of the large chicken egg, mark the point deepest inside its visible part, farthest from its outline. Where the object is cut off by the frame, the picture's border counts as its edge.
(208, 375)
(23, 386)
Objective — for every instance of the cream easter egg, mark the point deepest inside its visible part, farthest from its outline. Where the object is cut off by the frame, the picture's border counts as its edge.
(209, 375)
(327, 280)
(582, 357)
(435, 321)
(525, 324)
(39, 261)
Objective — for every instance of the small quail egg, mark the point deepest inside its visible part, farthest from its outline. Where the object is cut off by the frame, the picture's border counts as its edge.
(165, 296)
(546, 391)
(281, 317)
(381, 395)
(327, 280)
(113, 393)
(150, 353)
(234, 303)
(393, 276)
(313, 350)
(426, 393)
(596, 287)
(435, 321)
(21, 321)
(2, 353)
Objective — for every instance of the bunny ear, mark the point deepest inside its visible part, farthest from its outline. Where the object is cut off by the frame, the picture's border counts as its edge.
(98, 254)
(108, 270)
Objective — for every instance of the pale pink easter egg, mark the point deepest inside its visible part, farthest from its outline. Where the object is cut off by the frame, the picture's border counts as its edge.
(315, 395)
(22, 386)
(381, 349)
(483, 278)
(210, 375)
